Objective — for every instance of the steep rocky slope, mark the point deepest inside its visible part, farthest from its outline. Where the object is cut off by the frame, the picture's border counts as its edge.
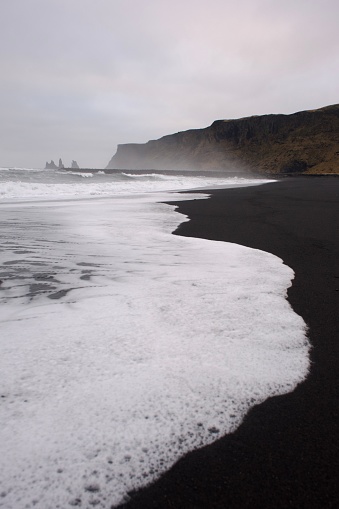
(304, 142)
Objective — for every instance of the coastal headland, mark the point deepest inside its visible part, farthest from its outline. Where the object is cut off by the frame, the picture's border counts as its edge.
(305, 142)
(286, 452)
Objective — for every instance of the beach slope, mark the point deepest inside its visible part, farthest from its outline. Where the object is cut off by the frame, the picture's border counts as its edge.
(286, 452)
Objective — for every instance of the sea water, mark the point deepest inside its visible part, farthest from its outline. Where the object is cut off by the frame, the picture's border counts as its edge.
(122, 346)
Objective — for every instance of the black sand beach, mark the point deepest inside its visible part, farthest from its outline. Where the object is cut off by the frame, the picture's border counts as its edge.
(286, 452)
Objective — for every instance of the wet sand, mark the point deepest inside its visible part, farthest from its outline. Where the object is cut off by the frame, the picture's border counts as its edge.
(286, 452)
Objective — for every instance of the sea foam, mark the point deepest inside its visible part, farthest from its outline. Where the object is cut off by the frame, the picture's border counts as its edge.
(123, 347)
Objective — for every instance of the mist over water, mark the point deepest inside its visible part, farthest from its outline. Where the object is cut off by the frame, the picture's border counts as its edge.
(123, 347)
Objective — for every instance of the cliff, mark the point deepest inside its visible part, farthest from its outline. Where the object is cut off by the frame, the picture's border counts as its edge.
(304, 142)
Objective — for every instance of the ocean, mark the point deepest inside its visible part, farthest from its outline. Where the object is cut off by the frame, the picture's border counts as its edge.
(122, 346)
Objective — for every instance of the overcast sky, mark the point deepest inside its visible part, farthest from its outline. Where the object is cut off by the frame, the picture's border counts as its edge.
(79, 77)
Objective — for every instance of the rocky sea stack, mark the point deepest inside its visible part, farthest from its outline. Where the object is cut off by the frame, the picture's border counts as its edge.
(304, 142)
(60, 166)
(53, 166)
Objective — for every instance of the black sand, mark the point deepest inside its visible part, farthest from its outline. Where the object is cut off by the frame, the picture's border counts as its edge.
(286, 452)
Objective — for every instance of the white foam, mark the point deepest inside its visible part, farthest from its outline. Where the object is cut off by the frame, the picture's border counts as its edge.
(79, 173)
(143, 175)
(162, 349)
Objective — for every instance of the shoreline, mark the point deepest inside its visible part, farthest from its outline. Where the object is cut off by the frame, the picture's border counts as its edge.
(286, 451)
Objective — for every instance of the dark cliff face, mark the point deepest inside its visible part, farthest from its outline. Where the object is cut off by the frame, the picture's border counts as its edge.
(304, 142)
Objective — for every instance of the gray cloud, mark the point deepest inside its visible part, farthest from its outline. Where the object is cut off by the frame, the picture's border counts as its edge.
(80, 76)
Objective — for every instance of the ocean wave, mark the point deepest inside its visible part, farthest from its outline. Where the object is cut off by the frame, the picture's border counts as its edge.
(143, 175)
(50, 184)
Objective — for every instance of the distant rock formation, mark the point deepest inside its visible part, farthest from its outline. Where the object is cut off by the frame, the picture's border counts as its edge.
(51, 165)
(75, 165)
(304, 142)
